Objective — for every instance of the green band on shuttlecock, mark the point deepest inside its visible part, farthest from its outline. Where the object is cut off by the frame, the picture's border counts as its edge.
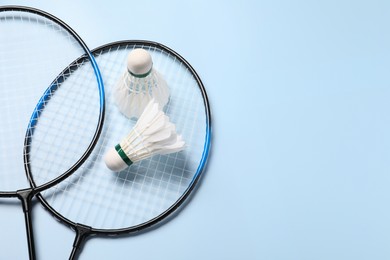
(141, 75)
(123, 155)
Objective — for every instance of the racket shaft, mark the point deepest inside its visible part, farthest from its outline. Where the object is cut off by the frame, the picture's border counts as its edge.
(30, 235)
(82, 232)
(26, 196)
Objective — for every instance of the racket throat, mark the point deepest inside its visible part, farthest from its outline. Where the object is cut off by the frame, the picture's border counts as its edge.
(82, 232)
(25, 197)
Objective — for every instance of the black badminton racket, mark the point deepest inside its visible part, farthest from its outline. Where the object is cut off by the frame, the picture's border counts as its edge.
(67, 102)
(96, 201)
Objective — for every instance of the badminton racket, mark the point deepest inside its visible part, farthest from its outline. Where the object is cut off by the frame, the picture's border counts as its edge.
(61, 105)
(96, 201)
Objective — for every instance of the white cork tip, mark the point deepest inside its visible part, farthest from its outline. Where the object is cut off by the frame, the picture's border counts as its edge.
(139, 62)
(113, 161)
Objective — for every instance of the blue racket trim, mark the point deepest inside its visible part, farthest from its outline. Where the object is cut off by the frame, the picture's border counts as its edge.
(100, 81)
(205, 154)
(54, 86)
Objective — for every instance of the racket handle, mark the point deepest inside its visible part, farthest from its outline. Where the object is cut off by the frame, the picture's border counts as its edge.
(82, 232)
(26, 196)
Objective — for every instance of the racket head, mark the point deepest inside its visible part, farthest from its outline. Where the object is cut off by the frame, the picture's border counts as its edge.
(151, 190)
(33, 56)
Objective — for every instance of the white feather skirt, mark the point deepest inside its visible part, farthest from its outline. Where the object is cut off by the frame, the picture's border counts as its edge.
(132, 94)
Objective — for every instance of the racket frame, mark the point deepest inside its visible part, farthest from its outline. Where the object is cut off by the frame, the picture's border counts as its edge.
(83, 231)
(26, 195)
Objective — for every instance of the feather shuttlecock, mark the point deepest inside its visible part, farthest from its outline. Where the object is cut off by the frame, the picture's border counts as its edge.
(139, 84)
(152, 134)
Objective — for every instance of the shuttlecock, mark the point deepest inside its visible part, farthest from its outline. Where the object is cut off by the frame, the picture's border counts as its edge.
(139, 84)
(152, 134)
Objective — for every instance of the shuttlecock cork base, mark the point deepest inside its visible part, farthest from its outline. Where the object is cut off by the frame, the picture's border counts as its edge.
(116, 159)
(139, 84)
(152, 134)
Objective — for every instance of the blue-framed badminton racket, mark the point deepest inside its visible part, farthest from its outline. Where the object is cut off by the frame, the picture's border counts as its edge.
(97, 201)
(66, 102)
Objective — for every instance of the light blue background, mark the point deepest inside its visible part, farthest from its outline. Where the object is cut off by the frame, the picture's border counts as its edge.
(299, 92)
